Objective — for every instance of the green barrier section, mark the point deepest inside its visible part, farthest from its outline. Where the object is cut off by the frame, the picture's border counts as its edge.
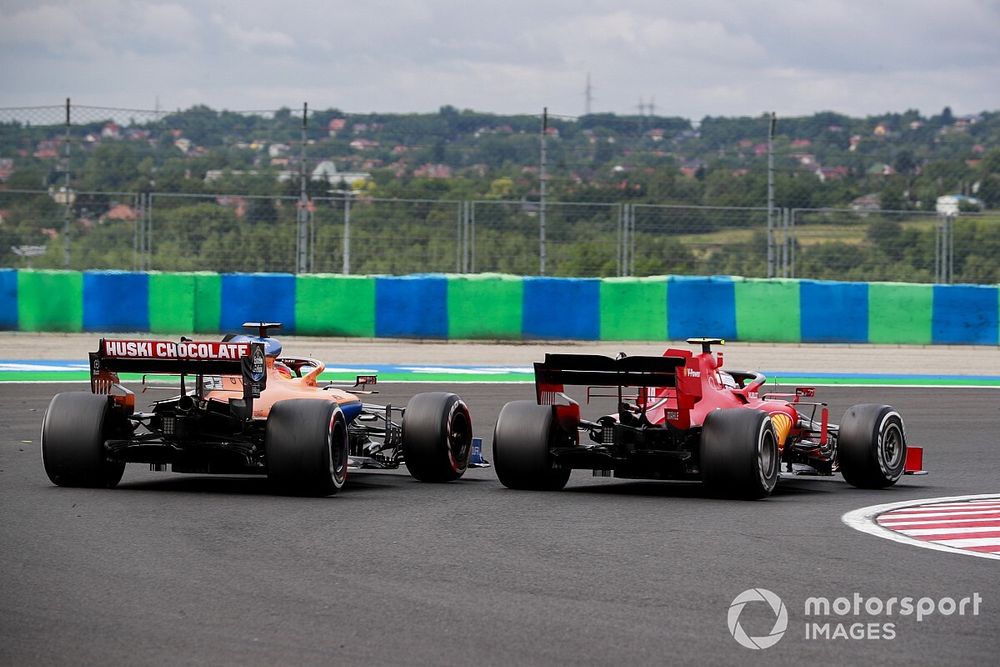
(171, 302)
(184, 302)
(768, 310)
(485, 306)
(50, 301)
(335, 305)
(207, 302)
(900, 313)
(634, 308)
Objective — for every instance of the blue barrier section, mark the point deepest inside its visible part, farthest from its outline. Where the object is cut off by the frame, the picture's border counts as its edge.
(563, 308)
(833, 312)
(257, 297)
(412, 307)
(8, 299)
(701, 307)
(965, 314)
(115, 301)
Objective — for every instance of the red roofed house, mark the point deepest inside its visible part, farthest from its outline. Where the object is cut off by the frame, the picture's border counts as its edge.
(119, 212)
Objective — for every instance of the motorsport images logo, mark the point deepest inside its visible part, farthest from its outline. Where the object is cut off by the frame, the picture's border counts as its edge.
(777, 607)
(850, 618)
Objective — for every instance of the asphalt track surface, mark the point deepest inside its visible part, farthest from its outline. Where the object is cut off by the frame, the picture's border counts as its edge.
(173, 569)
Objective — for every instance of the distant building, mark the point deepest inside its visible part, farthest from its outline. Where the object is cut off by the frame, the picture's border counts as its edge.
(363, 144)
(432, 171)
(336, 125)
(825, 174)
(277, 150)
(47, 150)
(867, 203)
(119, 213)
(327, 170)
(953, 204)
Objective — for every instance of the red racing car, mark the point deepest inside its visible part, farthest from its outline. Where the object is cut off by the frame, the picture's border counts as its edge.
(682, 417)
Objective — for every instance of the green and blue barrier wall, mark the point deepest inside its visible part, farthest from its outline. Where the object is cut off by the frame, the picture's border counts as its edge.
(503, 307)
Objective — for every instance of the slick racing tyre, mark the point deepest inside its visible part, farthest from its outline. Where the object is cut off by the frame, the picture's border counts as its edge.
(739, 453)
(73, 433)
(871, 446)
(437, 437)
(306, 447)
(524, 434)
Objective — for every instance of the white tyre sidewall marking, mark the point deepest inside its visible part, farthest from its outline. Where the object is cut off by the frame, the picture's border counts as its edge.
(864, 519)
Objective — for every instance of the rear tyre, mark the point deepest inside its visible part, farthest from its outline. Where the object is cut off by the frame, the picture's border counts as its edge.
(524, 435)
(871, 446)
(739, 453)
(437, 437)
(73, 433)
(306, 447)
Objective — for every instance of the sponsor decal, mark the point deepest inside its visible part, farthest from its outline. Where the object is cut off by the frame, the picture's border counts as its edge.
(153, 349)
(257, 369)
(691, 373)
(782, 425)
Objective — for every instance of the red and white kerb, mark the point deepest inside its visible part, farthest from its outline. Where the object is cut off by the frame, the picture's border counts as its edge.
(963, 524)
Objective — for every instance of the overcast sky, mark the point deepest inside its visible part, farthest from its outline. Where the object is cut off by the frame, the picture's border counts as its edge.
(694, 58)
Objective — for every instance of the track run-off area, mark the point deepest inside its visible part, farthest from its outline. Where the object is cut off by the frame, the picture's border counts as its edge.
(170, 568)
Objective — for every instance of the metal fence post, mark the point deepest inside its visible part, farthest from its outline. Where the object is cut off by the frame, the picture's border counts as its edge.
(770, 195)
(785, 242)
(460, 239)
(944, 249)
(621, 240)
(136, 230)
(472, 237)
(938, 236)
(302, 217)
(630, 240)
(139, 202)
(67, 196)
(542, 177)
(791, 243)
(312, 240)
(346, 269)
(147, 249)
(951, 248)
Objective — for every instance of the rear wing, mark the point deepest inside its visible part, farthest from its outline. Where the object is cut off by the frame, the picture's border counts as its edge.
(186, 357)
(559, 370)
(597, 370)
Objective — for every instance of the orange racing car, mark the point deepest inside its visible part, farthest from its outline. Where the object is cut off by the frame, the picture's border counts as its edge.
(245, 408)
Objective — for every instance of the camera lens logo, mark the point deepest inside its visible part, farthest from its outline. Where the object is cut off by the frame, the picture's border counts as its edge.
(780, 620)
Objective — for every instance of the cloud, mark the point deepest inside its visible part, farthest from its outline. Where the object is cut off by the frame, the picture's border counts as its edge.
(716, 57)
(252, 38)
